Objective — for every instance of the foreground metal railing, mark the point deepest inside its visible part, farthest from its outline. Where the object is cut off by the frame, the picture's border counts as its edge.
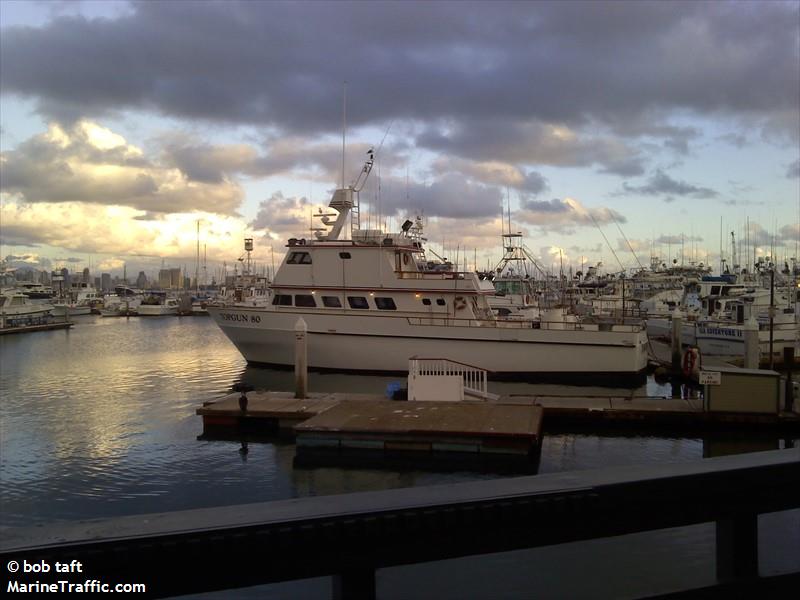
(350, 536)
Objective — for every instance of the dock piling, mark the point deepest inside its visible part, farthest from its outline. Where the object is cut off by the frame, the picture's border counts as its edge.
(677, 345)
(788, 364)
(752, 349)
(300, 358)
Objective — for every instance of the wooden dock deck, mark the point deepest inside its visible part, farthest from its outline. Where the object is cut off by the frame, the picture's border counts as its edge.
(429, 427)
(271, 412)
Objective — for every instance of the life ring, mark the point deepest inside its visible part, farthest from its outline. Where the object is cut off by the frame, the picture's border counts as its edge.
(405, 259)
(690, 361)
(527, 299)
(459, 303)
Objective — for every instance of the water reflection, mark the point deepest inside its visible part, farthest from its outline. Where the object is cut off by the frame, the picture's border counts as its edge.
(99, 421)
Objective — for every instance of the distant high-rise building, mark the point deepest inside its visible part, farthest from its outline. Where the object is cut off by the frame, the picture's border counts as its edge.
(87, 278)
(98, 283)
(170, 278)
(141, 280)
(105, 282)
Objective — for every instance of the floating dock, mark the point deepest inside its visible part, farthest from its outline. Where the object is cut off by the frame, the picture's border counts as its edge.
(428, 430)
(332, 428)
(343, 427)
(268, 412)
(32, 328)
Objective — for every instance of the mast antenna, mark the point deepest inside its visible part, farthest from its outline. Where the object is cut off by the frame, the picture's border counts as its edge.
(344, 126)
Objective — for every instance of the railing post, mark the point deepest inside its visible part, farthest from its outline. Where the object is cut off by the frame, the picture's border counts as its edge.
(737, 547)
(354, 584)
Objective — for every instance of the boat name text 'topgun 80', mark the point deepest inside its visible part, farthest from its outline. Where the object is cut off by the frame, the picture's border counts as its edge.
(240, 317)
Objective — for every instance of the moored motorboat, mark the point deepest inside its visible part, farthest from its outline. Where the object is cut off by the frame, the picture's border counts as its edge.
(155, 306)
(16, 310)
(373, 301)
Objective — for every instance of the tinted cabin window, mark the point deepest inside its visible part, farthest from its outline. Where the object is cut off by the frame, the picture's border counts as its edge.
(385, 304)
(357, 302)
(306, 300)
(299, 258)
(331, 301)
(440, 301)
(426, 301)
(282, 300)
(344, 255)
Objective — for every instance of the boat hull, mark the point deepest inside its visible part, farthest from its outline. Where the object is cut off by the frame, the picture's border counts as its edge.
(729, 340)
(60, 310)
(155, 310)
(354, 342)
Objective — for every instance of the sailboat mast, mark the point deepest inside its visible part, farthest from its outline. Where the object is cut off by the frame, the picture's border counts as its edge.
(197, 261)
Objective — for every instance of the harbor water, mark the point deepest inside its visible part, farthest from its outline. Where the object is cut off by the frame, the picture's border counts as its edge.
(98, 421)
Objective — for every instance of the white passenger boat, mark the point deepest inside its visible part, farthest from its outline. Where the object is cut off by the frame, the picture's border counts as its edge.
(36, 291)
(373, 301)
(16, 309)
(727, 338)
(80, 300)
(123, 302)
(158, 307)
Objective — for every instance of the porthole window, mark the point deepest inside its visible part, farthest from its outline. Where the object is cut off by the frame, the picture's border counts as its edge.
(440, 301)
(426, 301)
(332, 301)
(344, 255)
(385, 303)
(358, 302)
(305, 300)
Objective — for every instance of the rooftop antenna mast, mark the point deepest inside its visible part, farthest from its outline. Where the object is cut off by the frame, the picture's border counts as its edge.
(344, 126)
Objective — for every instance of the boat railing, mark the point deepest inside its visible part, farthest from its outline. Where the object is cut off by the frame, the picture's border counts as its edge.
(475, 383)
(523, 324)
(434, 275)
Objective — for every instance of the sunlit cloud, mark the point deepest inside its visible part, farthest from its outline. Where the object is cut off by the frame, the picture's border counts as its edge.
(566, 215)
(88, 163)
(115, 230)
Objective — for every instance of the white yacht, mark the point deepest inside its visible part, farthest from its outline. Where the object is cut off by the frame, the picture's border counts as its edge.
(373, 301)
(80, 300)
(122, 302)
(36, 291)
(153, 306)
(17, 309)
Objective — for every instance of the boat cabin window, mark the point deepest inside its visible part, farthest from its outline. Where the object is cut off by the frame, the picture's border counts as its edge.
(2, 300)
(299, 258)
(440, 301)
(357, 302)
(331, 301)
(282, 300)
(385, 303)
(715, 290)
(426, 301)
(305, 300)
(344, 255)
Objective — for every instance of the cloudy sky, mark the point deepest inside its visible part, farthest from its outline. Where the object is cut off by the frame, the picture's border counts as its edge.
(667, 123)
